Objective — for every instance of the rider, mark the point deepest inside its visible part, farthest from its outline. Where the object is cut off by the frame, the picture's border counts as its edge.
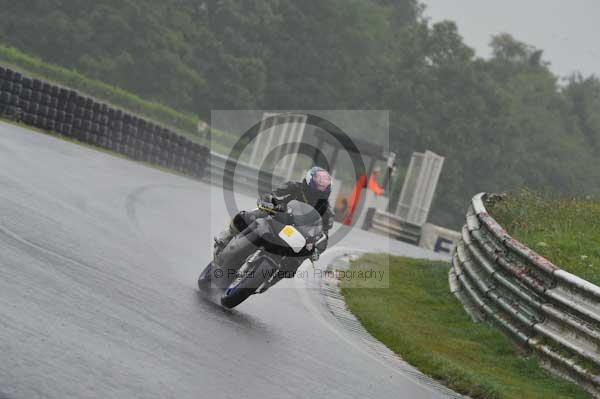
(314, 190)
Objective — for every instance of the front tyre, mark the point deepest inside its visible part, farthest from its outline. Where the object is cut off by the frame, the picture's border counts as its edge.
(244, 286)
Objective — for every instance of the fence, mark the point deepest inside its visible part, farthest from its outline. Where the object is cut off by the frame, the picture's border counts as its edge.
(543, 308)
(67, 113)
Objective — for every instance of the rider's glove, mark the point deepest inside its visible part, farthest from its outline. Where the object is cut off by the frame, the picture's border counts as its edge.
(281, 207)
(270, 201)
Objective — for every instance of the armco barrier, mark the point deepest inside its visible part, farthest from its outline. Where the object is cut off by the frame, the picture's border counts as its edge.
(545, 309)
(65, 112)
(392, 226)
(246, 177)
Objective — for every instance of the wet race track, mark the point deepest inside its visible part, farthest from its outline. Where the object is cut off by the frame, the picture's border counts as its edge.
(99, 258)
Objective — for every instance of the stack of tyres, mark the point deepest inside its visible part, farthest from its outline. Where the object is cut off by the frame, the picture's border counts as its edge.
(10, 91)
(65, 112)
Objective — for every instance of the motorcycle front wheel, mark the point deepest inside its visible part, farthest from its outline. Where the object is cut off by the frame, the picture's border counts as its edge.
(244, 286)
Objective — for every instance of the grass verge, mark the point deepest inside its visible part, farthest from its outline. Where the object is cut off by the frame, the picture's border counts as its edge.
(565, 231)
(418, 318)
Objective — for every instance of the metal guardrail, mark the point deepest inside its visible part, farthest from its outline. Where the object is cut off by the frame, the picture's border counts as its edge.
(392, 226)
(246, 178)
(547, 310)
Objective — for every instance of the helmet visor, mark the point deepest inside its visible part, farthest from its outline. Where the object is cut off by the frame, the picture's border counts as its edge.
(318, 180)
(322, 180)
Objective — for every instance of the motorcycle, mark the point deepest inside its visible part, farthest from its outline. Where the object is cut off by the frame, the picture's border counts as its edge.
(269, 249)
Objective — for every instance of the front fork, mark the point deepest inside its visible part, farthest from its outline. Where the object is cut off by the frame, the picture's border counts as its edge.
(277, 276)
(240, 275)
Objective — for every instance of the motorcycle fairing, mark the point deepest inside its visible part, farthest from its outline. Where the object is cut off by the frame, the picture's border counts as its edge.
(292, 237)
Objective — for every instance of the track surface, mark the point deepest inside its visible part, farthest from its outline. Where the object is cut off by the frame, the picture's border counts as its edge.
(98, 262)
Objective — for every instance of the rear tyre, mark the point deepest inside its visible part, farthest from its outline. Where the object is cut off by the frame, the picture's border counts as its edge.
(204, 279)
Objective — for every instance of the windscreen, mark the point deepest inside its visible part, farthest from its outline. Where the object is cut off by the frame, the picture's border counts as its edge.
(305, 218)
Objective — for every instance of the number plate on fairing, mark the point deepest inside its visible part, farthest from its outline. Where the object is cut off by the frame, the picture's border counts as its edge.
(293, 238)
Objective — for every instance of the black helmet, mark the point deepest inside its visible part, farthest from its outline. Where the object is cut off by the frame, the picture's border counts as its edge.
(318, 182)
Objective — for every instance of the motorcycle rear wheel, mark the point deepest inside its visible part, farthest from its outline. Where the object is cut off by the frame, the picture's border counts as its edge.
(204, 280)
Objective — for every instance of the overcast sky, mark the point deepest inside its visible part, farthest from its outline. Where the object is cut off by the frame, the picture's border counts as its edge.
(567, 30)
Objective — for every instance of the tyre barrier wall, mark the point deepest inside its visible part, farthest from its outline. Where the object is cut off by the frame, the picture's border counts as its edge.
(546, 310)
(67, 113)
